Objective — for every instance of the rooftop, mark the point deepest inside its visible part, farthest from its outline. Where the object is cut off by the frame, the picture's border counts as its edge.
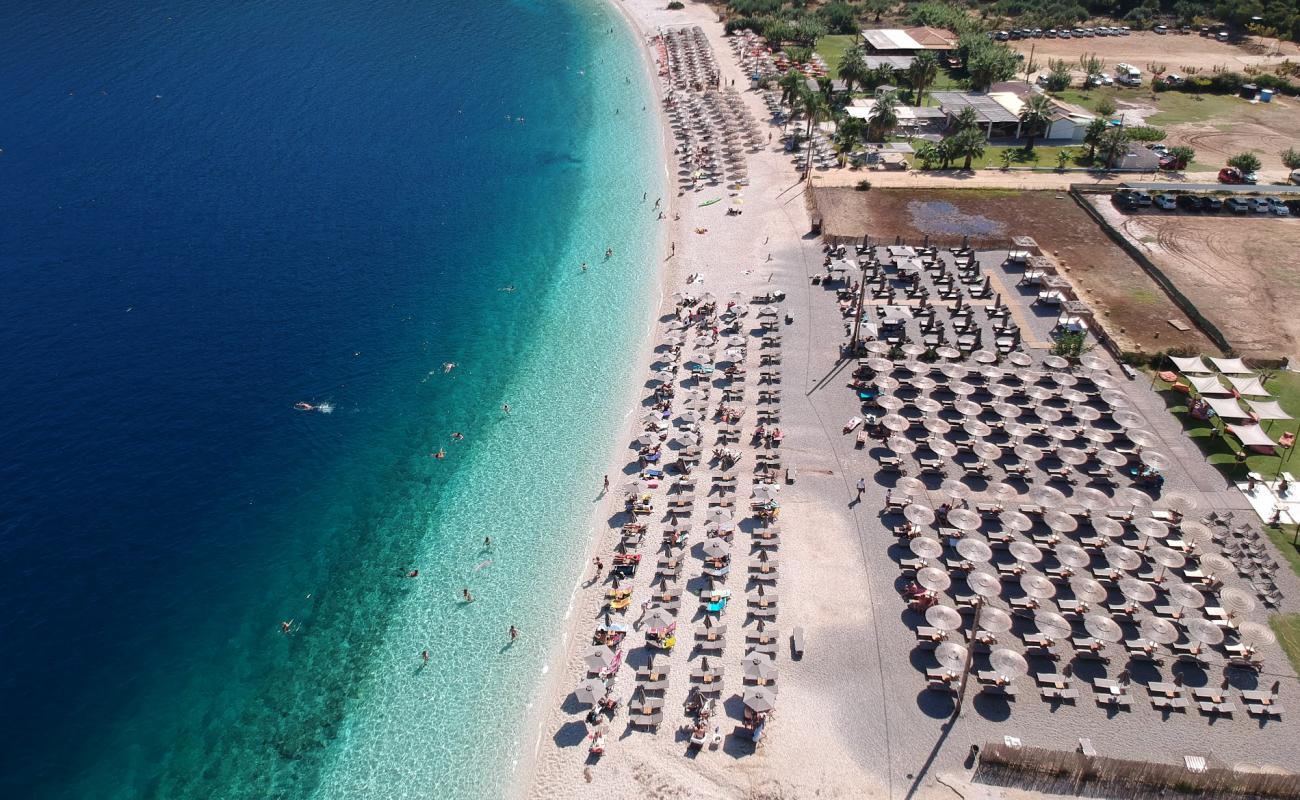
(987, 108)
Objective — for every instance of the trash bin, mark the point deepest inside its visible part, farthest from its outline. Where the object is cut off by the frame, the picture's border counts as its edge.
(1265, 95)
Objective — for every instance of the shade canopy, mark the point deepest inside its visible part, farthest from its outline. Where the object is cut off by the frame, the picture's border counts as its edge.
(1231, 366)
(1193, 364)
(1267, 409)
(1251, 435)
(1208, 385)
(1227, 407)
(1248, 385)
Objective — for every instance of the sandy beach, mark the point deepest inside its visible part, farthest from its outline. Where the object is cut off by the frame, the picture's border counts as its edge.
(853, 717)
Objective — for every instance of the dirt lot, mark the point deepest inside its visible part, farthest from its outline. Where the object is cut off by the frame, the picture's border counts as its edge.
(1133, 308)
(1175, 51)
(1238, 270)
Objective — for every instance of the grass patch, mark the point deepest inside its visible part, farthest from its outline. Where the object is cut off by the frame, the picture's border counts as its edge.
(1287, 628)
(1040, 156)
(832, 48)
(1179, 107)
(1283, 539)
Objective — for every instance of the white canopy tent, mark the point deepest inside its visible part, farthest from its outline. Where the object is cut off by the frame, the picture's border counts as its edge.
(1252, 435)
(1227, 407)
(1248, 385)
(1193, 364)
(1267, 409)
(1208, 385)
(1231, 366)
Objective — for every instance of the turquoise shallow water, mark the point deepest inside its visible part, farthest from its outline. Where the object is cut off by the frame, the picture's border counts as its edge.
(221, 211)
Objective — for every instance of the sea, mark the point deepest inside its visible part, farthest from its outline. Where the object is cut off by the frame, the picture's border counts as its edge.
(212, 212)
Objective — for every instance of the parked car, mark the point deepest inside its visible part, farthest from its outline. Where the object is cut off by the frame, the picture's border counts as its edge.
(1171, 162)
(1142, 197)
(1189, 202)
(1174, 80)
(1161, 29)
(1051, 33)
(1221, 36)
(1237, 206)
(1278, 207)
(1295, 176)
(1232, 175)
(1166, 201)
(1211, 203)
(1260, 205)
(1125, 201)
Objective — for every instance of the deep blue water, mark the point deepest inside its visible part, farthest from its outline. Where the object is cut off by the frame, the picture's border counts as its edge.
(211, 211)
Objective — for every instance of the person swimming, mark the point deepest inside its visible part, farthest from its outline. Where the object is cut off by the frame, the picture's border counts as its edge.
(441, 454)
(457, 436)
(448, 367)
(509, 288)
(304, 406)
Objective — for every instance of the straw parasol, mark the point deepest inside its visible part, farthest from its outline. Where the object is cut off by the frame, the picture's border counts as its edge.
(995, 620)
(1092, 361)
(1006, 410)
(1155, 460)
(1037, 586)
(1072, 456)
(1254, 635)
(890, 403)
(1055, 362)
(910, 485)
(1072, 555)
(927, 405)
(1047, 496)
(1001, 390)
(1236, 601)
(895, 422)
(1214, 563)
(1204, 631)
(1060, 521)
(903, 446)
(1137, 590)
(1115, 398)
(913, 349)
(974, 550)
(919, 514)
(1101, 626)
(1121, 557)
(1027, 452)
(942, 448)
(1088, 590)
(946, 352)
(880, 365)
(590, 691)
(1098, 435)
(1159, 630)
(983, 583)
(976, 428)
(1008, 663)
(955, 489)
(1064, 379)
(1128, 419)
(1016, 521)
(877, 347)
(987, 451)
(945, 618)
(933, 578)
(1179, 503)
(1001, 492)
(885, 383)
(1167, 557)
(968, 408)
(1111, 458)
(923, 383)
(992, 374)
(1091, 499)
(1049, 414)
(1071, 395)
(1142, 437)
(1110, 528)
(760, 699)
(951, 656)
(1133, 498)
(758, 666)
(1151, 528)
(1060, 433)
(1020, 359)
(962, 389)
(937, 426)
(1017, 430)
(926, 547)
(1052, 624)
(1194, 532)
(964, 519)
(954, 372)
(1185, 595)
(1087, 414)
(1025, 552)
(984, 357)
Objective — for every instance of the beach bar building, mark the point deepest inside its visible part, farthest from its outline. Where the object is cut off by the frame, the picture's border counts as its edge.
(998, 112)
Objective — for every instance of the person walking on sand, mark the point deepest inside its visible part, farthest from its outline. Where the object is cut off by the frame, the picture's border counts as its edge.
(606, 489)
(672, 251)
(514, 634)
(600, 567)
(862, 487)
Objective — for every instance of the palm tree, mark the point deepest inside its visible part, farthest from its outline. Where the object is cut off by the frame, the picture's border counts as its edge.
(946, 150)
(1112, 145)
(968, 144)
(966, 119)
(853, 68)
(817, 110)
(1092, 136)
(848, 132)
(921, 74)
(791, 83)
(928, 153)
(1035, 116)
(884, 116)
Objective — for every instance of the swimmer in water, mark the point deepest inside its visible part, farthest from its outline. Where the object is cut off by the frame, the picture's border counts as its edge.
(286, 627)
(487, 541)
(448, 367)
(415, 573)
(509, 288)
(469, 598)
(441, 454)
(609, 251)
(505, 407)
(457, 436)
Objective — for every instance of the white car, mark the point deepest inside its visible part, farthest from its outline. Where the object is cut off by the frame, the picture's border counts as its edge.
(1166, 201)
(1295, 176)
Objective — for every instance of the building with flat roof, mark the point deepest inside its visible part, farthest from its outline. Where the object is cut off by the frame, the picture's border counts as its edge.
(908, 41)
(998, 112)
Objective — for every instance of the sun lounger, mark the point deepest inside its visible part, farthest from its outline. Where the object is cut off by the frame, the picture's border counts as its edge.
(653, 686)
(715, 632)
(647, 720)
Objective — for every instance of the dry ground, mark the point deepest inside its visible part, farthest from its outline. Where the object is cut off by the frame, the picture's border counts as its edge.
(1240, 271)
(1175, 51)
(1133, 308)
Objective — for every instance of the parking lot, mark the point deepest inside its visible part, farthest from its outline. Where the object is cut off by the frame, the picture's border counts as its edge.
(1175, 51)
(1138, 201)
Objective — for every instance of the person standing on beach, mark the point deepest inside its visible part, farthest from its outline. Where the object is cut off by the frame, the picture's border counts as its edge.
(600, 567)
(862, 487)
(606, 489)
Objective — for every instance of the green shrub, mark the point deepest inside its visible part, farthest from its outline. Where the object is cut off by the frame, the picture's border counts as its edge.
(1146, 133)
(863, 185)
(676, 5)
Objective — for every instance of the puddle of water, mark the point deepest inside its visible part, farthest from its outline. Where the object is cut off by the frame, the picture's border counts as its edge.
(939, 217)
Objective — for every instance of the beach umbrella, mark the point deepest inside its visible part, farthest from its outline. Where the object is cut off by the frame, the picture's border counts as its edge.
(1002, 492)
(1137, 590)
(1159, 630)
(1111, 458)
(1254, 635)
(1020, 359)
(767, 492)
(1072, 555)
(880, 364)
(686, 439)
(1017, 430)
(1037, 586)
(919, 514)
(877, 347)
(923, 383)
(725, 526)
(1025, 552)
(1179, 503)
(1236, 601)
(1006, 410)
(913, 349)
(1016, 521)
(926, 547)
(1088, 590)
(974, 550)
(902, 445)
(1048, 414)
(1027, 452)
(951, 656)
(886, 384)
(690, 416)
(1047, 496)
(1168, 558)
(760, 699)
(1008, 663)
(1064, 379)
(936, 426)
(657, 617)
(1090, 361)
(954, 372)
(987, 451)
(955, 489)
(590, 691)
(1072, 456)
(1142, 437)
(1110, 528)
(1091, 499)
(1121, 557)
(734, 356)
(985, 584)
(647, 439)
(663, 376)
(758, 666)
(1155, 460)
(715, 547)
(890, 403)
(1100, 626)
(895, 422)
(976, 428)
(1213, 563)
(910, 485)
(1052, 624)
(1039, 393)
(1087, 414)
(1055, 362)
(1204, 631)
(1133, 498)
(636, 487)
(942, 448)
(962, 388)
(767, 311)
(933, 578)
(948, 352)
(964, 519)
(1097, 435)
(1001, 390)
(598, 657)
(945, 618)
(1128, 419)
(1185, 595)
(1060, 433)
(967, 408)
(928, 405)
(719, 515)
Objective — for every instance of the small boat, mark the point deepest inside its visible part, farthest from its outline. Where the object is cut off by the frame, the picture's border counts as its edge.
(710, 202)
(304, 406)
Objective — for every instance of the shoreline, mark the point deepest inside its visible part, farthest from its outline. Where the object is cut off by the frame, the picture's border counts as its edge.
(667, 272)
